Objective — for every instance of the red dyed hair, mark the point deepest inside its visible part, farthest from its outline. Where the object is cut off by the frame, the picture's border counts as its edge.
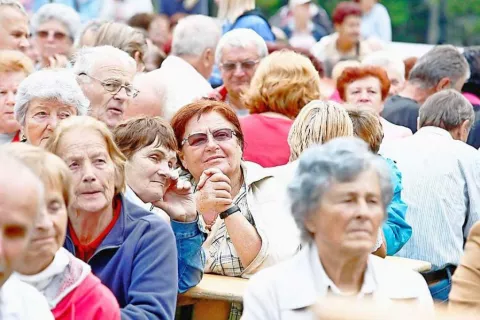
(353, 74)
(345, 9)
(197, 109)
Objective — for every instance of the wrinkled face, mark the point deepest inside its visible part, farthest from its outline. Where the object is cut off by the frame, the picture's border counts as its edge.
(237, 67)
(397, 82)
(149, 170)
(52, 38)
(349, 215)
(14, 30)
(50, 227)
(108, 107)
(224, 155)
(42, 118)
(17, 216)
(365, 92)
(350, 29)
(93, 171)
(9, 82)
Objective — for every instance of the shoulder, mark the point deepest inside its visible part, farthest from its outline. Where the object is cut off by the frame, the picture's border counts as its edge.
(379, 8)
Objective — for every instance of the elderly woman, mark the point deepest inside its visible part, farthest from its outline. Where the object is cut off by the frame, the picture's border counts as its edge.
(14, 68)
(150, 147)
(394, 67)
(71, 289)
(125, 38)
(284, 82)
(338, 198)
(131, 250)
(54, 29)
(369, 86)
(45, 98)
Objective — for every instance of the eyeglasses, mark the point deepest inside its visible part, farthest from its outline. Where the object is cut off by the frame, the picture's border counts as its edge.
(244, 65)
(198, 139)
(56, 34)
(114, 86)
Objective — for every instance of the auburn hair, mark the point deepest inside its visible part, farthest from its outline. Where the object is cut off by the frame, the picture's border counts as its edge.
(352, 74)
(345, 9)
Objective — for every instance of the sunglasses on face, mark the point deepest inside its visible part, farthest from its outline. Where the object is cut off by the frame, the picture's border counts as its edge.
(219, 135)
(244, 65)
(56, 35)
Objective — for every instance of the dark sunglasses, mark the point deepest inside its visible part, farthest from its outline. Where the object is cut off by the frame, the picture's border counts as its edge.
(56, 35)
(198, 139)
(244, 65)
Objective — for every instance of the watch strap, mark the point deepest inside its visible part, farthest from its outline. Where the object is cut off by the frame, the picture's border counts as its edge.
(229, 212)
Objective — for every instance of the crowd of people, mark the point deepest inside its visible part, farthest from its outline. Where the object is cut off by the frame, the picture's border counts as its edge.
(139, 151)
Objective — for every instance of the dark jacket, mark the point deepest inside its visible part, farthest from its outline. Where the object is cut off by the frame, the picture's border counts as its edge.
(137, 261)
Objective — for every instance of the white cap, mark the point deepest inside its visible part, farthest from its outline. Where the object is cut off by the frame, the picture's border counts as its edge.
(293, 3)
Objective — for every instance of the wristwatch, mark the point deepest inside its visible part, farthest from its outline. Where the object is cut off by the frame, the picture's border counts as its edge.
(229, 211)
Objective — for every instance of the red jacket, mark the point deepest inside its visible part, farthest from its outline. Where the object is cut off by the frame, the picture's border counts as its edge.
(90, 300)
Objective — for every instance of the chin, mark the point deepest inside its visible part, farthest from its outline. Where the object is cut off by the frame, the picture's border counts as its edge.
(92, 206)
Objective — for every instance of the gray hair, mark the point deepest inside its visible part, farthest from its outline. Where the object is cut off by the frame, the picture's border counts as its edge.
(58, 84)
(443, 61)
(86, 59)
(241, 38)
(15, 4)
(194, 34)
(446, 109)
(59, 12)
(386, 60)
(339, 160)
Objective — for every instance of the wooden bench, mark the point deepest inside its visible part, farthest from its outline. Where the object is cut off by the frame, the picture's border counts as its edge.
(213, 296)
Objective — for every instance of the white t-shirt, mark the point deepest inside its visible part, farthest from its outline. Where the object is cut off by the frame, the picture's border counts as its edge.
(21, 301)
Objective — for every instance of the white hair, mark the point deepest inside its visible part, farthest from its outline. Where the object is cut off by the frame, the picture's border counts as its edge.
(15, 4)
(241, 38)
(57, 84)
(86, 59)
(59, 12)
(194, 34)
(386, 60)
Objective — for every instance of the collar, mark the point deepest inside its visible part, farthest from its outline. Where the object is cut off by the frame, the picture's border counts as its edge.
(434, 131)
(132, 196)
(253, 173)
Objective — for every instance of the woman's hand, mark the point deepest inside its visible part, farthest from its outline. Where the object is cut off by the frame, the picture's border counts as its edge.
(213, 194)
(57, 61)
(178, 201)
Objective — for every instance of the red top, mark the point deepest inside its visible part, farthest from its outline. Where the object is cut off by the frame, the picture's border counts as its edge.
(266, 139)
(17, 137)
(219, 94)
(90, 300)
(86, 251)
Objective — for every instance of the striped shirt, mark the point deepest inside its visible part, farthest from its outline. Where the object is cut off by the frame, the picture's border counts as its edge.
(441, 180)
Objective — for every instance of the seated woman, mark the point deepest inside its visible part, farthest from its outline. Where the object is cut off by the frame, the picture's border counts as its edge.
(71, 289)
(284, 82)
(369, 86)
(131, 250)
(248, 228)
(338, 198)
(14, 68)
(150, 147)
(45, 98)
(396, 230)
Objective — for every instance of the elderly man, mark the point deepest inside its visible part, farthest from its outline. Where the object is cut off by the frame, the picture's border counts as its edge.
(13, 26)
(105, 75)
(17, 217)
(441, 68)
(183, 75)
(238, 54)
(441, 180)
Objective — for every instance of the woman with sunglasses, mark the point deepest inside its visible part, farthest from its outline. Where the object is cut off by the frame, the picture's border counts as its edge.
(248, 228)
(54, 28)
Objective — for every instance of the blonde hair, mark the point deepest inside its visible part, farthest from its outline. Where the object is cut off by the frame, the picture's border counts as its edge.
(366, 126)
(51, 170)
(284, 82)
(232, 9)
(318, 122)
(15, 61)
(88, 123)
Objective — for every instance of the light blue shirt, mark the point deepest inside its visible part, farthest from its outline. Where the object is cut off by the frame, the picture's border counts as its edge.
(376, 23)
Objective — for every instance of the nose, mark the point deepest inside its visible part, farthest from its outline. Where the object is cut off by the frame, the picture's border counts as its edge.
(211, 143)
(165, 170)
(51, 37)
(10, 100)
(43, 221)
(121, 95)
(24, 44)
(88, 173)
(363, 211)
(238, 72)
(52, 122)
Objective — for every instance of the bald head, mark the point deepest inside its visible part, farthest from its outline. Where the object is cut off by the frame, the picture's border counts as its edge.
(21, 199)
(149, 101)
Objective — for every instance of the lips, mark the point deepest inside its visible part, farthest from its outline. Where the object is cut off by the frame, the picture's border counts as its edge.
(214, 158)
(118, 111)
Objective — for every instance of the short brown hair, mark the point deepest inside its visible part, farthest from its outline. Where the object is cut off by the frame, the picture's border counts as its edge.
(284, 82)
(367, 126)
(139, 132)
(197, 109)
(15, 61)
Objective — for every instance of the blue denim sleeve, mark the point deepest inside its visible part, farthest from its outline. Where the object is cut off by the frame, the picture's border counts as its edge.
(396, 230)
(191, 257)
